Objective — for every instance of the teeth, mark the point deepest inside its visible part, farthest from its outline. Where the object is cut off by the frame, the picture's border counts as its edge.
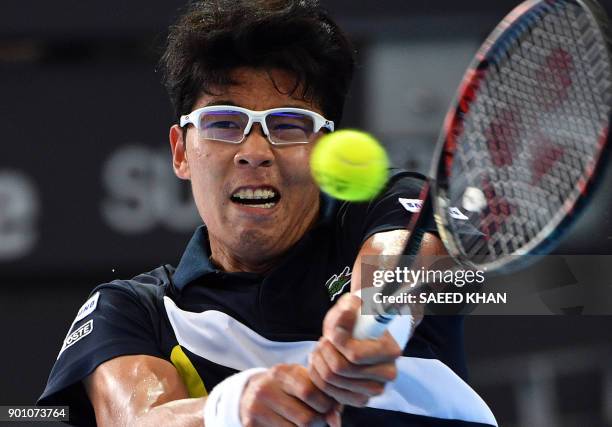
(264, 205)
(249, 194)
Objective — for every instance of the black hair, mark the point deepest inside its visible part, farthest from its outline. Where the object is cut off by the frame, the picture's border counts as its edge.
(216, 36)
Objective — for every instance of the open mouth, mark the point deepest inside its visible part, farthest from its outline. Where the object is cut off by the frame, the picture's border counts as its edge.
(257, 197)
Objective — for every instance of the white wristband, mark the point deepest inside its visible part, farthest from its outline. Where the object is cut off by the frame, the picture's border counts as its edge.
(222, 407)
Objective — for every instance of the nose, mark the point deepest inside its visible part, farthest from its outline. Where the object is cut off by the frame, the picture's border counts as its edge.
(255, 151)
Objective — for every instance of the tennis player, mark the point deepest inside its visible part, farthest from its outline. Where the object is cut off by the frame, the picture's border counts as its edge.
(253, 325)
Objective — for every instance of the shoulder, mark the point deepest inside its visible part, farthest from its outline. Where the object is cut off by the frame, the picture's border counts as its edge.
(144, 287)
(399, 176)
(390, 210)
(401, 180)
(401, 184)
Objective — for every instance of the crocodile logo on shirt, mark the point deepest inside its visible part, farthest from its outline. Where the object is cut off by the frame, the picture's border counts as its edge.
(336, 284)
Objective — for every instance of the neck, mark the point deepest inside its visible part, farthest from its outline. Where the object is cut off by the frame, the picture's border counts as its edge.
(252, 254)
(233, 263)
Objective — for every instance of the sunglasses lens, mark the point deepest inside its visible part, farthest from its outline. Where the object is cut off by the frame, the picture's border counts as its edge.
(290, 127)
(227, 126)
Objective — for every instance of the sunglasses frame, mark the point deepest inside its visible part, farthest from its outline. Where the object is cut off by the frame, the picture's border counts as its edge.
(319, 121)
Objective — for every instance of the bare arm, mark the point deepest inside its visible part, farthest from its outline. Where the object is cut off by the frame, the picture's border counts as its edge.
(350, 370)
(391, 244)
(141, 391)
(144, 391)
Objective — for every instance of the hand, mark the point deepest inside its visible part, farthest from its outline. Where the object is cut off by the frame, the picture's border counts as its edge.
(350, 370)
(284, 395)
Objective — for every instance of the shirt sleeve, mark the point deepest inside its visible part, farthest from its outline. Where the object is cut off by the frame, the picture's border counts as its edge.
(437, 337)
(391, 210)
(116, 320)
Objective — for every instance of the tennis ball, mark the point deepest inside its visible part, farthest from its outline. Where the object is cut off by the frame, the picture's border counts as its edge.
(349, 165)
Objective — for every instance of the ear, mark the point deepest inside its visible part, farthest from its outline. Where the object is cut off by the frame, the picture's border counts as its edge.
(179, 153)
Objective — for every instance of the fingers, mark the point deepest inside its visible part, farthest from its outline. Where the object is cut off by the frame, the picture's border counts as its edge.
(369, 351)
(261, 416)
(350, 370)
(254, 407)
(343, 367)
(334, 417)
(340, 320)
(321, 377)
(285, 396)
(346, 382)
(338, 326)
(295, 381)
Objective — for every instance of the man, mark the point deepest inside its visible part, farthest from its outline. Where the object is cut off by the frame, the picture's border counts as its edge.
(252, 328)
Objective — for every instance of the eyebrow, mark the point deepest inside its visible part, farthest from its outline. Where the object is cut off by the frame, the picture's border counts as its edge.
(221, 102)
(233, 104)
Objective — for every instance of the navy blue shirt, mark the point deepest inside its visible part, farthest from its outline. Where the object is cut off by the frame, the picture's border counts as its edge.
(211, 324)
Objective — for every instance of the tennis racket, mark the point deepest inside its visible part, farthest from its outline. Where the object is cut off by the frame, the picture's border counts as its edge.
(523, 143)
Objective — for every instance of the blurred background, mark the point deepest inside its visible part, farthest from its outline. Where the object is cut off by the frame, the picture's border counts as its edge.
(87, 193)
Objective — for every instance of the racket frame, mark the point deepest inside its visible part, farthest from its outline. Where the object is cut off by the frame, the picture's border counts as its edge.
(494, 46)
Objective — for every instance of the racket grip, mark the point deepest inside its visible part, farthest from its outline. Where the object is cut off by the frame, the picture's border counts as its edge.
(371, 326)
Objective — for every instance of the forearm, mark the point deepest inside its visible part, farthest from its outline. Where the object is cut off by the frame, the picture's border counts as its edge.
(183, 413)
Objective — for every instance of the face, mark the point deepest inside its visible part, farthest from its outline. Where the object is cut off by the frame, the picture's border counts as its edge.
(243, 236)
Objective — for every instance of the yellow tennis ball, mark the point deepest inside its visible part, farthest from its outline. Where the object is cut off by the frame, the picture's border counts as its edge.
(349, 165)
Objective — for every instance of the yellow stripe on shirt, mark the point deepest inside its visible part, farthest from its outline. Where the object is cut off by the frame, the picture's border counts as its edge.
(189, 374)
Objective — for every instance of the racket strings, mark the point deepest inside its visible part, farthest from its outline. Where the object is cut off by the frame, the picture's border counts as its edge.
(531, 133)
